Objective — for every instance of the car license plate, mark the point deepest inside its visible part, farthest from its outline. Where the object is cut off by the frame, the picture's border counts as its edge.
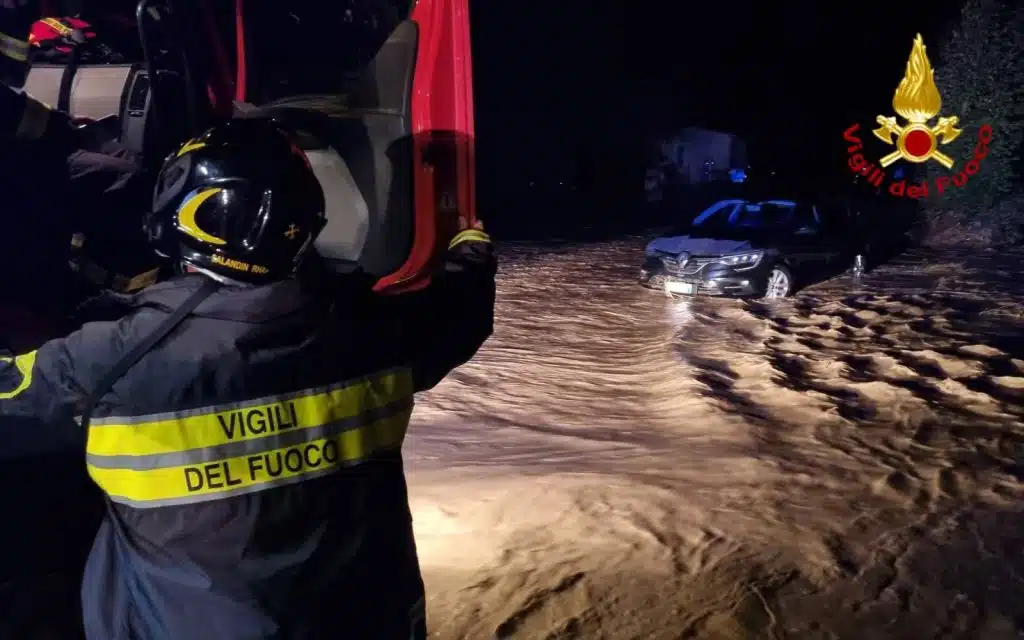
(685, 288)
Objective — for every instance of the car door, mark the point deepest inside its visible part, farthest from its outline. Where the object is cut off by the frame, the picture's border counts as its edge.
(792, 230)
(842, 235)
(811, 251)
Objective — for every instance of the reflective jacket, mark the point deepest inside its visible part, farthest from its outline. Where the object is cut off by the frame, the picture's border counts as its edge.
(251, 460)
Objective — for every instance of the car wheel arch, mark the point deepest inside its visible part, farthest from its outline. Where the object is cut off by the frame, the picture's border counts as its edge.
(784, 261)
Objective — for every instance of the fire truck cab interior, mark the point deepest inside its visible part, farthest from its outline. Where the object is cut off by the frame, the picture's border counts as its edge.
(383, 107)
(380, 92)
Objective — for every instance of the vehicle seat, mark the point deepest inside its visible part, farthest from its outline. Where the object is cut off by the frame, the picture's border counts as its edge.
(361, 150)
(95, 90)
(363, 162)
(102, 93)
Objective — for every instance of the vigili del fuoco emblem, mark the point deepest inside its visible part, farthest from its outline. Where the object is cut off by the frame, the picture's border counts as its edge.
(917, 100)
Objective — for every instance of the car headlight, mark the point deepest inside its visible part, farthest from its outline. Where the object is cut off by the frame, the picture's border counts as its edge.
(742, 261)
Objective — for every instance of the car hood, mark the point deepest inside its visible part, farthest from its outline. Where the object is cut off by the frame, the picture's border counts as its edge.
(697, 246)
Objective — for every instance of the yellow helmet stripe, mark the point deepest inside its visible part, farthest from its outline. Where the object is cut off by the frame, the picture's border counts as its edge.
(187, 216)
(190, 146)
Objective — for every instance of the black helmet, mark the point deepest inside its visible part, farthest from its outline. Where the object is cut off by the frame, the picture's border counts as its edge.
(240, 201)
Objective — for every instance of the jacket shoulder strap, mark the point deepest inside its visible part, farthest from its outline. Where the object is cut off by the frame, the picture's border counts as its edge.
(134, 354)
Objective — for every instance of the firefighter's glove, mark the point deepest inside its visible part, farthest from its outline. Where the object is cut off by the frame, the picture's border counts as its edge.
(470, 235)
(472, 249)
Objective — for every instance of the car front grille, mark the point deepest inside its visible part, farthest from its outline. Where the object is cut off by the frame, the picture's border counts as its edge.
(687, 267)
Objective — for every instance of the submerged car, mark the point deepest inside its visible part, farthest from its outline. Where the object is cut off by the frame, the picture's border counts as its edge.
(749, 249)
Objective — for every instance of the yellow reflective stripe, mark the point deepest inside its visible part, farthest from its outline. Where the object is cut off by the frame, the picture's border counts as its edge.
(189, 146)
(251, 473)
(57, 26)
(223, 425)
(24, 364)
(469, 235)
(283, 438)
(34, 118)
(13, 48)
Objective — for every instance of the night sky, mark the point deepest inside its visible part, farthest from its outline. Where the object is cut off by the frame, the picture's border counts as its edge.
(557, 81)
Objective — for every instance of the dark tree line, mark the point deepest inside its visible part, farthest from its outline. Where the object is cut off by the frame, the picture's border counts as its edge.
(979, 69)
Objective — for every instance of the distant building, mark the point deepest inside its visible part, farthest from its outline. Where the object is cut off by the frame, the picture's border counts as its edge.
(701, 155)
(694, 156)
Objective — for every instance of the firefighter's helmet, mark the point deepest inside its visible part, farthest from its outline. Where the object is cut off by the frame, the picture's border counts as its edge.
(61, 34)
(240, 201)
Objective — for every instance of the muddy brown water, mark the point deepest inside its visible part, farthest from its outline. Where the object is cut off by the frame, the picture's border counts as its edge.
(617, 464)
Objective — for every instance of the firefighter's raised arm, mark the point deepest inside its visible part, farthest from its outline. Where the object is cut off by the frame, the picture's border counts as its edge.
(456, 314)
(25, 119)
(42, 391)
(21, 116)
(16, 18)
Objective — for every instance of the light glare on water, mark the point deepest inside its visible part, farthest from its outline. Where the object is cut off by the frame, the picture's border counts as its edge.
(618, 464)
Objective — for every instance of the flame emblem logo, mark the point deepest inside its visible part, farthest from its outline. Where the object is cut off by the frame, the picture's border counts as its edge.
(917, 100)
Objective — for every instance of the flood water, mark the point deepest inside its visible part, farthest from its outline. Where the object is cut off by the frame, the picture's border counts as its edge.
(618, 464)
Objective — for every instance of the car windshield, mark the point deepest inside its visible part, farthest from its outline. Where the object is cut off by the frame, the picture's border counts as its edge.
(764, 216)
(750, 215)
(717, 213)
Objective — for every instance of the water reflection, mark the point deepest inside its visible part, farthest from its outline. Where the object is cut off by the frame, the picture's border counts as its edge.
(607, 432)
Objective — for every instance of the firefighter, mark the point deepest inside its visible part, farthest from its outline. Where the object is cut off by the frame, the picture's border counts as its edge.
(62, 178)
(244, 426)
(23, 118)
(57, 182)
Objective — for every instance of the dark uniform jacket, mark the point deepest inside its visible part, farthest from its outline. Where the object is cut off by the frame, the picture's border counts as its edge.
(251, 460)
